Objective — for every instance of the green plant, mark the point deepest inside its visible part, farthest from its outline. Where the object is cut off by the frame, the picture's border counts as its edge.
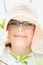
(21, 58)
(3, 23)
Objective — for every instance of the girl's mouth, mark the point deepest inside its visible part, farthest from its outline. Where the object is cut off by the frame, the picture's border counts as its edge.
(19, 36)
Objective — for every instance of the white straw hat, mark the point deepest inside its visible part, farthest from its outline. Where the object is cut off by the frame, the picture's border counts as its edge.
(23, 8)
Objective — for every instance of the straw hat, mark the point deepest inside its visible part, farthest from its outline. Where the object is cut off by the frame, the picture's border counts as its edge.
(23, 8)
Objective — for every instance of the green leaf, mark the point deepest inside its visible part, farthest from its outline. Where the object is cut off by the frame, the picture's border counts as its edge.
(14, 56)
(21, 55)
(25, 62)
(25, 57)
(2, 24)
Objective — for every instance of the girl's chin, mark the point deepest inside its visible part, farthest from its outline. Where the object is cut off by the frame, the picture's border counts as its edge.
(19, 42)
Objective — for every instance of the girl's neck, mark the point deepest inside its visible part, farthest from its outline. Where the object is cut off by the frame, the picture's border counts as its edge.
(24, 50)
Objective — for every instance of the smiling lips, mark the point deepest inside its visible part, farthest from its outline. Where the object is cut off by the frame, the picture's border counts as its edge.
(19, 36)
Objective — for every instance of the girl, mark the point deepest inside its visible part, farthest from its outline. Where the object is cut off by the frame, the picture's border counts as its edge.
(24, 37)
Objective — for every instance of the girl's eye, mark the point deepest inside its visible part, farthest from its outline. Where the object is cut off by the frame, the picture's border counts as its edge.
(14, 23)
(28, 24)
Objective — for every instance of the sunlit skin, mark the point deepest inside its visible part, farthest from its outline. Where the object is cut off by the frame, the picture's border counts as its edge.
(20, 39)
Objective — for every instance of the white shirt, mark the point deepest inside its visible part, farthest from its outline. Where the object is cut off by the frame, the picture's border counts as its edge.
(9, 60)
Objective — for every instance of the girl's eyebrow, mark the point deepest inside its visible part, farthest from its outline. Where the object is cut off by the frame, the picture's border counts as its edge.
(13, 20)
(16, 21)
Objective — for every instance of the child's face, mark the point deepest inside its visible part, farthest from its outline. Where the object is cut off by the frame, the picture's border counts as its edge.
(19, 34)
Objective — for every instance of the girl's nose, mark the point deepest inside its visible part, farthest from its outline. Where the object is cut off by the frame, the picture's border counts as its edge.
(20, 29)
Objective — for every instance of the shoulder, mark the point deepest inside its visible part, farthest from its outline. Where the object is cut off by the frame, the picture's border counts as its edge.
(6, 57)
(38, 59)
